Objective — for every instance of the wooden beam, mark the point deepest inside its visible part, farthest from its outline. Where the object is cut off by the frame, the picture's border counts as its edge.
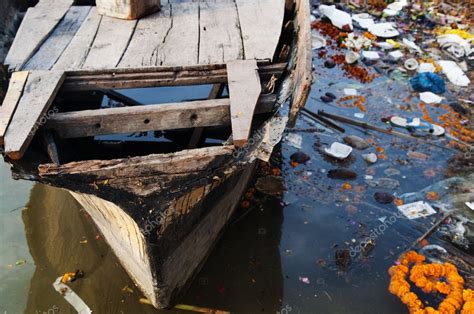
(14, 92)
(244, 90)
(50, 146)
(148, 117)
(158, 76)
(40, 90)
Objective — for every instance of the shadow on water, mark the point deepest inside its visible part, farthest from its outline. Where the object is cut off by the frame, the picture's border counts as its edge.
(242, 274)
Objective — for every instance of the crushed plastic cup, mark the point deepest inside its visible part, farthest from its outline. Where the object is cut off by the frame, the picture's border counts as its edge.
(337, 17)
(411, 64)
(338, 150)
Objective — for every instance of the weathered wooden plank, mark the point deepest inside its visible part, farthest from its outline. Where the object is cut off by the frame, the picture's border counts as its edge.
(14, 92)
(167, 38)
(301, 73)
(149, 35)
(260, 23)
(76, 52)
(220, 39)
(110, 43)
(37, 24)
(147, 117)
(40, 90)
(54, 45)
(244, 90)
(158, 76)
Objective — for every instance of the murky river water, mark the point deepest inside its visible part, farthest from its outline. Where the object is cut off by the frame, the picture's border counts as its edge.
(280, 257)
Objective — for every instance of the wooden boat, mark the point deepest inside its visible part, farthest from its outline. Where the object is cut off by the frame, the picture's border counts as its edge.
(161, 203)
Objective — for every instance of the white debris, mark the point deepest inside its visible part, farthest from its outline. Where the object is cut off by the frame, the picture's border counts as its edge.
(384, 30)
(338, 150)
(416, 210)
(350, 91)
(352, 56)
(337, 17)
(359, 115)
(317, 41)
(454, 73)
(385, 45)
(411, 45)
(394, 8)
(364, 20)
(371, 55)
(426, 67)
(430, 98)
(370, 158)
(79, 305)
(294, 140)
(396, 55)
(470, 205)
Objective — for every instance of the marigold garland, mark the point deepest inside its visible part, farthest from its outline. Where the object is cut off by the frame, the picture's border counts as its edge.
(427, 278)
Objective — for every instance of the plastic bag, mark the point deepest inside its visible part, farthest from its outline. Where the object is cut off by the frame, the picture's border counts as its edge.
(428, 82)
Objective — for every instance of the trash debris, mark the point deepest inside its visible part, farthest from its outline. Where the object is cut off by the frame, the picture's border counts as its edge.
(294, 140)
(304, 280)
(338, 18)
(383, 30)
(70, 277)
(411, 64)
(370, 55)
(79, 305)
(417, 125)
(430, 98)
(342, 174)
(396, 55)
(338, 150)
(20, 262)
(428, 82)
(350, 92)
(370, 158)
(352, 56)
(416, 210)
(317, 41)
(356, 142)
(454, 73)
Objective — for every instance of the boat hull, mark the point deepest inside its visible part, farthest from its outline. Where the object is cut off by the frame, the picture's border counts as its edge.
(161, 262)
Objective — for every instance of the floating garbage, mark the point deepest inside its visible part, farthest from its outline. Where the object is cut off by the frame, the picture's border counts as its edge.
(411, 64)
(355, 142)
(417, 124)
(430, 98)
(411, 45)
(396, 55)
(371, 55)
(394, 8)
(416, 210)
(337, 17)
(426, 67)
(350, 91)
(317, 41)
(364, 20)
(338, 150)
(454, 73)
(428, 82)
(351, 57)
(382, 183)
(383, 30)
(370, 158)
